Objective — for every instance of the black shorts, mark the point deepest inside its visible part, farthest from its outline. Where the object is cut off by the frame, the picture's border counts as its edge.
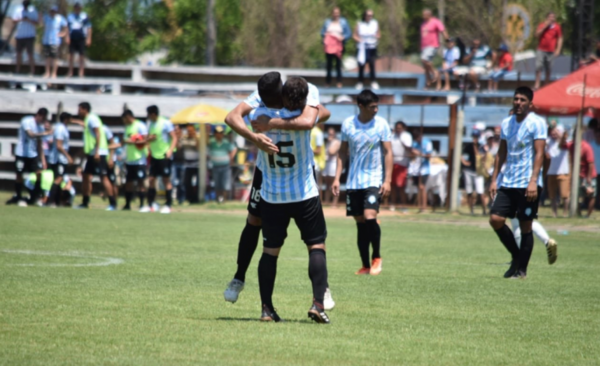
(254, 201)
(77, 46)
(359, 200)
(424, 179)
(93, 167)
(160, 167)
(58, 169)
(110, 173)
(511, 202)
(27, 165)
(307, 214)
(135, 172)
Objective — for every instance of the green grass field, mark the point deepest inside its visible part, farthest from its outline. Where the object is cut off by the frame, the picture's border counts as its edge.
(440, 300)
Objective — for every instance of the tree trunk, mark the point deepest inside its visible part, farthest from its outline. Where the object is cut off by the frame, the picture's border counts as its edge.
(211, 33)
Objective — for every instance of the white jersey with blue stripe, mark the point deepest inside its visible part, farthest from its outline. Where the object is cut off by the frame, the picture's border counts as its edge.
(61, 133)
(27, 146)
(520, 154)
(288, 175)
(365, 148)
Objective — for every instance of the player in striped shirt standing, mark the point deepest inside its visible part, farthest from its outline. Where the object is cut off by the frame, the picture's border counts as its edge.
(367, 139)
(520, 158)
(59, 157)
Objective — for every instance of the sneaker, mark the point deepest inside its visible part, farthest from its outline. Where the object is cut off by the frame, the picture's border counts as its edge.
(13, 200)
(111, 208)
(318, 315)
(375, 267)
(51, 205)
(233, 290)
(126, 208)
(359, 86)
(514, 268)
(145, 209)
(154, 207)
(22, 203)
(552, 250)
(165, 210)
(81, 207)
(363, 271)
(269, 315)
(519, 275)
(328, 302)
(375, 85)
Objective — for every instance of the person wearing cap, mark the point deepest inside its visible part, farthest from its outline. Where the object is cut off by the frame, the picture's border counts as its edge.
(55, 28)
(221, 153)
(503, 66)
(25, 21)
(474, 183)
(80, 37)
(558, 171)
(451, 59)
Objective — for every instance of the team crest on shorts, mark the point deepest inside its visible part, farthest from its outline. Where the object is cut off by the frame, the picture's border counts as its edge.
(20, 164)
(166, 170)
(372, 199)
(140, 173)
(528, 211)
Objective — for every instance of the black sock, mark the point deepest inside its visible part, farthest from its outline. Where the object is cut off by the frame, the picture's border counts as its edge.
(525, 251)
(86, 200)
(128, 198)
(112, 200)
(37, 189)
(374, 236)
(151, 196)
(363, 243)
(246, 248)
(169, 197)
(317, 272)
(142, 197)
(267, 270)
(508, 239)
(18, 190)
(54, 194)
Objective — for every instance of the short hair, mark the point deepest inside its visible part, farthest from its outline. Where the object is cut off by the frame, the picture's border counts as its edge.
(153, 110)
(593, 123)
(127, 113)
(85, 106)
(64, 116)
(366, 97)
(42, 112)
(295, 91)
(526, 91)
(364, 15)
(400, 123)
(270, 87)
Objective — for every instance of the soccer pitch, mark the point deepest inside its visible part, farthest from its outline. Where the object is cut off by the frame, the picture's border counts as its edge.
(94, 287)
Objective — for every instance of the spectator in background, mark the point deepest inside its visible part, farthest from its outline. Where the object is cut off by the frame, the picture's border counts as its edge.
(221, 152)
(178, 171)
(367, 35)
(317, 144)
(451, 60)
(596, 148)
(401, 150)
(431, 28)
(593, 57)
(26, 20)
(550, 41)
(476, 58)
(332, 149)
(589, 134)
(80, 37)
(335, 32)
(474, 185)
(558, 172)
(504, 64)
(484, 167)
(190, 147)
(587, 176)
(55, 28)
(421, 151)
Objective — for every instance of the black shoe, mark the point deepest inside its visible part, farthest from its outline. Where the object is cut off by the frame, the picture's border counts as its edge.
(126, 208)
(269, 315)
(318, 315)
(519, 275)
(13, 200)
(514, 268)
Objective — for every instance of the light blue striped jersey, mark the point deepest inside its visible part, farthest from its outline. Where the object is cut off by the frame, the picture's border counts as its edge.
(519, 139)
(421, 164)
(312, 99)
(27, 146)
(52, 27)
(79, 25)
(61, 133)
(25, 29)
(365, 148)
(288, 175)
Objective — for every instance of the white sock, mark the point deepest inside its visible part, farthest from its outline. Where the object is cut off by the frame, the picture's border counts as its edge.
(540, 232)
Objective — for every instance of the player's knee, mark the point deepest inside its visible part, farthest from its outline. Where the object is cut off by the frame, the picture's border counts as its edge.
(370, 215)
(497, 222)
(315, 246)
(272, 251)
(359, 219)
(254, 220)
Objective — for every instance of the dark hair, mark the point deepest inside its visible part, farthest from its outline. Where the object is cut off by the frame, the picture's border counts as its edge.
(593, 123)
(366, 97)
(364, 15)
(550, 13)
(64, 116)
(42, 112)
(86, 106)
(153, 110)
(400, 123)
(269, 88)
(127, 113)
(294, 93)
(526, 91)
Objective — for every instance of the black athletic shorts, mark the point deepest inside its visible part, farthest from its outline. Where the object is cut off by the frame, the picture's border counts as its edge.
(29, 165)
(58, 169)
(254, 201)
(307, 214)
(511, 202)
(160, 167)
(93, 167)
(135, 172)
(110, 173)
(359, 200)
(77, 46)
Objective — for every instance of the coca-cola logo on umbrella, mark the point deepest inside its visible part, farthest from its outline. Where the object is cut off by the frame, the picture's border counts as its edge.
(577, 90)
